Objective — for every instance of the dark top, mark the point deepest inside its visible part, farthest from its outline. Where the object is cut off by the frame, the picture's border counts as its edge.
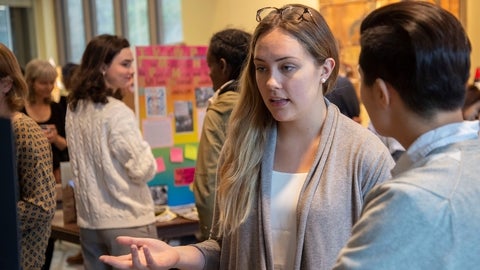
(57, 118)
(344, 96)
(8, 199)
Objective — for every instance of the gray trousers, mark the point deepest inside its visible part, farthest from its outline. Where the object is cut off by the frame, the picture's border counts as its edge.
(95, 243)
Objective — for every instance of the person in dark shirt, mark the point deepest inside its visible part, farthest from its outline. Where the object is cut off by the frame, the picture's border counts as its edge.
(40, 76)
(346, 99)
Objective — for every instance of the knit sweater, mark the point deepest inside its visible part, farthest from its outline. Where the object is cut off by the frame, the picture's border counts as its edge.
(349, 162)
(111, 165)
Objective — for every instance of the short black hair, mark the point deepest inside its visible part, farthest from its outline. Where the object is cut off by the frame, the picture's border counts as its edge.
(421, 50)
(231, 45)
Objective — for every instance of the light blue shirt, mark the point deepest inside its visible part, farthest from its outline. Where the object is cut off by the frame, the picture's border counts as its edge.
(434, 139)
(427, 216)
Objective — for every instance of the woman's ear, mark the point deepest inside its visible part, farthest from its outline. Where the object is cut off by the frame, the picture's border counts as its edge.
(103, 69)
(326, 69)
(5, 85)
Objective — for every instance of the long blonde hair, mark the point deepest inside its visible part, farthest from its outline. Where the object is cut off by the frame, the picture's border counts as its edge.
(250, 122)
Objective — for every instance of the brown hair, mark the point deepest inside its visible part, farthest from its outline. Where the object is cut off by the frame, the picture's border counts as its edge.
(89, 82)
(9, 67)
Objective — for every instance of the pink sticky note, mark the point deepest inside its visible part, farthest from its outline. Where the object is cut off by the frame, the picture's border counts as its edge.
(176, 155)
(160, 164)
(184, 176)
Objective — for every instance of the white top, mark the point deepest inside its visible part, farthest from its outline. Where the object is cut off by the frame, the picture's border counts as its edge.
(285, 192)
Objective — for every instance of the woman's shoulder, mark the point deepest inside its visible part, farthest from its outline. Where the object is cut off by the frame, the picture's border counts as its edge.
(347, 124)
(21, 120)
(58, 112)
(116, 104)
(60, 105)
(25, 128)
(117, 108)
(353, 134)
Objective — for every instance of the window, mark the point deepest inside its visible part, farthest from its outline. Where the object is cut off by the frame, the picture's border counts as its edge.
(75, 34)
(5, 27)
(137, 22)
(172, 23)
(104, 20)
(142, 22)
(17, 29)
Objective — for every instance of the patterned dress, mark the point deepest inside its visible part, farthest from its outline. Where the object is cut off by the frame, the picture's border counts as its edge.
(36, 205)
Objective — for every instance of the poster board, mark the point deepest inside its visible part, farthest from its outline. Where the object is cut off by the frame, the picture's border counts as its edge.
(172, 88)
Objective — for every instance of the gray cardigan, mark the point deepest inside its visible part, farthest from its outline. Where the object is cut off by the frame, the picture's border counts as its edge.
(349, 162)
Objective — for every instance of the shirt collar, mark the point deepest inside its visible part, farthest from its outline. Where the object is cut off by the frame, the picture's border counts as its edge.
(224, 85)
(434, 139)
(219, 91)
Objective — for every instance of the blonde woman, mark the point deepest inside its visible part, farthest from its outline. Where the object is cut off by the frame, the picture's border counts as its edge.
(293, 172)
(50, 115)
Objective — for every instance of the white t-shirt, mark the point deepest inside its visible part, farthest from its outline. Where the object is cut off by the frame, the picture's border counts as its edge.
(284, 193)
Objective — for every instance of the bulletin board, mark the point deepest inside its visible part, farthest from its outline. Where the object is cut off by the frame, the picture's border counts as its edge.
(172, 91)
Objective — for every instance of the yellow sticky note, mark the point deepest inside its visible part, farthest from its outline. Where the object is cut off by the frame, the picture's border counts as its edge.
(191, 151)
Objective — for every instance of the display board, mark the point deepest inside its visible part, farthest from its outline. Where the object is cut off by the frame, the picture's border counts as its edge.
(172, 88)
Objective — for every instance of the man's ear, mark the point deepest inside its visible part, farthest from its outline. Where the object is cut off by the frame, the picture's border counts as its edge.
(225, 68)
(382, 92)
(224, 65)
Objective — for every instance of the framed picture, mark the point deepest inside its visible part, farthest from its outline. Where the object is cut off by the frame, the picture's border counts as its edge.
(159, 194)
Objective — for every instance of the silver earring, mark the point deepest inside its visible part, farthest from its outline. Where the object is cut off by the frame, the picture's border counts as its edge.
(324, 80)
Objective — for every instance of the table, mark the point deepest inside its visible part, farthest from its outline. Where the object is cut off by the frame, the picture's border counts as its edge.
(175, 228)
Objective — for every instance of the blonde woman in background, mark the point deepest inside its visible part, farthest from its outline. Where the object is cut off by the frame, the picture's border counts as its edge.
(50, 115)
(40, 76)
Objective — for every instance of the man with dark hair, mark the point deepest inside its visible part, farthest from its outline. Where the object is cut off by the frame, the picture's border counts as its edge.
(414, 65)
